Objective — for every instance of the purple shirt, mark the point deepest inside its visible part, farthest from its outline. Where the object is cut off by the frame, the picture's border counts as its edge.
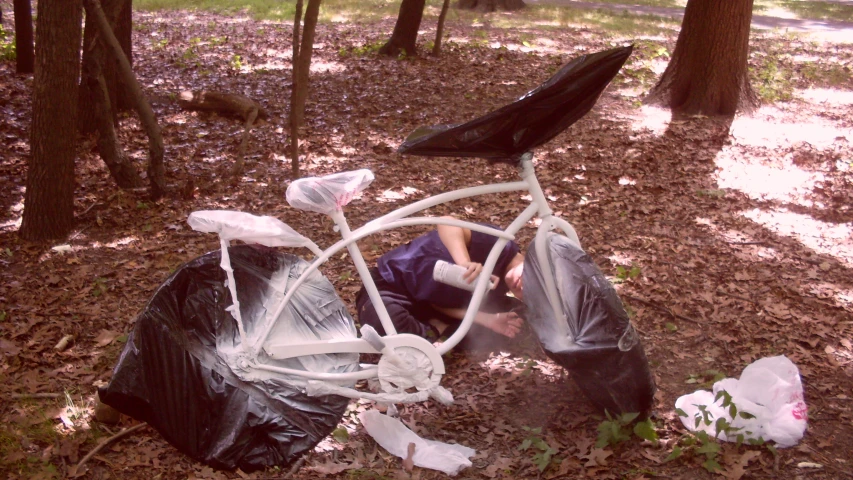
(410, 268)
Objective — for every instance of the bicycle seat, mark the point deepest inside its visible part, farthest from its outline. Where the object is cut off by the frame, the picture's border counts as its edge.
(231, 225)
(327, 194)
(538, 116)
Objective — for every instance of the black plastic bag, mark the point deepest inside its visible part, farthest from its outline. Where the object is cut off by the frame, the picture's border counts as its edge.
(538, 116)
(175, 373)
(598, 345)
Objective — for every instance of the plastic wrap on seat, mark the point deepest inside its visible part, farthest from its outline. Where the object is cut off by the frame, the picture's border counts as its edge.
(232, 225)
(177, 371)
(329, 193)
(600, 347)
(538, 116)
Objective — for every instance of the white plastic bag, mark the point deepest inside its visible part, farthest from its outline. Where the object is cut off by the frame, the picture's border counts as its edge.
(769, 389)
(392, 435)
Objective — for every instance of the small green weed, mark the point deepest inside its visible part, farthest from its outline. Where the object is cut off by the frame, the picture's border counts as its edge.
(706, 447)
(99, 287)
(362, 51)
(542, 452)
(623, 274)
(7, 45)
(236, 63)
(615, 430)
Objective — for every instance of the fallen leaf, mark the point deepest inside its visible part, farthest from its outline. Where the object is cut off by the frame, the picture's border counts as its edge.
(105, 338)
(408, 463)
(597, 457)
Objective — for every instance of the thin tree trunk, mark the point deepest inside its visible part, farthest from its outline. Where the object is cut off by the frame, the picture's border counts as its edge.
(93, 48)
(24, 35)
(109, 147)
(49, 199)
(156, 170)
(124, 32)
(405, 35)
(708, 70)
(294, 123)
(304, 68)
(439, 31)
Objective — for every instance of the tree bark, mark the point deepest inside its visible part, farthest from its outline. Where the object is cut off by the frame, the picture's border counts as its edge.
(24, 35)
(439, 30)
(405, 35)
(156, 170)
(124, 33)
(49, 199)
(109, 147)
(303, 69)
(294, 124)
(487, 6)
(708, 73)
(93, 50)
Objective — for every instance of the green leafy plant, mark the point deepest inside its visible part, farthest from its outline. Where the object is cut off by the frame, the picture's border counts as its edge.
(542, 452)
(99, 287)
(236, 62)
(7, 45)
(624, 274)
(705, 446)
(364, 50)
(615, 430)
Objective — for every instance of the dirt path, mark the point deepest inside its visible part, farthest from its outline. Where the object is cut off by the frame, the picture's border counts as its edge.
(826, 29)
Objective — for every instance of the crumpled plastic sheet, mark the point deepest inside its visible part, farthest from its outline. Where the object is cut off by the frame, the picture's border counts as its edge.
(392, 435)
(176, 371)
(538, 116)
(598, 345)
(769, 389)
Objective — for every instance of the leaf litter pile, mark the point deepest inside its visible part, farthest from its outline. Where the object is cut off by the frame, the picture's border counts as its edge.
(728, 241)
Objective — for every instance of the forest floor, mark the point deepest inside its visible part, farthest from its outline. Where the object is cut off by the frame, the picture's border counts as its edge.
(728, 241)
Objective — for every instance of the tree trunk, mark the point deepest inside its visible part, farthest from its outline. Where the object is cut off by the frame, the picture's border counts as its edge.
(707, 73)
(294, 124)
(439, 30)
(405, 35)
(488, 6)
(49, 199)
(24, 35)
(124, 30)
(93, 50)
(156, 170)
(303, 68)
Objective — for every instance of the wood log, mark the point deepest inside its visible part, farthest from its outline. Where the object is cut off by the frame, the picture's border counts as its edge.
(223, 103)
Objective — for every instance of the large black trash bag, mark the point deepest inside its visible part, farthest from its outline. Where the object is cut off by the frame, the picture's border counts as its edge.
(174, 373)
(598, 345)
(538, 116)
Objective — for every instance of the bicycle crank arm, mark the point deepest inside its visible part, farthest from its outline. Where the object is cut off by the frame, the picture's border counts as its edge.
(281, 351)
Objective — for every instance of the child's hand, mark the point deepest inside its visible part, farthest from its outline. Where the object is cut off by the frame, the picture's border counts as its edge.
(473, 270)
(506, 323)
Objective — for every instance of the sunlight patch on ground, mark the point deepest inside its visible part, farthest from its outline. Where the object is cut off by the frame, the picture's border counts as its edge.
(826, 96)
(824, 238)
(767, 128)
(651, 118)
(746, 252)
(327, 67)
(395, 195)
(785, 183)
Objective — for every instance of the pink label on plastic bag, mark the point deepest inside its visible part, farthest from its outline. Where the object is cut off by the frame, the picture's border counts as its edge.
(800, 411)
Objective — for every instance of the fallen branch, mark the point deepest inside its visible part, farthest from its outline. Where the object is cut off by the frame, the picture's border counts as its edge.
(27, 396)
(661, 308)
(105, 442)
(226, 104)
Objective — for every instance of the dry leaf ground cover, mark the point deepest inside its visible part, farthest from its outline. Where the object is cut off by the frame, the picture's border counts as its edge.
(728, 241)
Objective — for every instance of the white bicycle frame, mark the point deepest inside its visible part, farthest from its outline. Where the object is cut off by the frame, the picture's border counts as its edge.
(399, 218)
